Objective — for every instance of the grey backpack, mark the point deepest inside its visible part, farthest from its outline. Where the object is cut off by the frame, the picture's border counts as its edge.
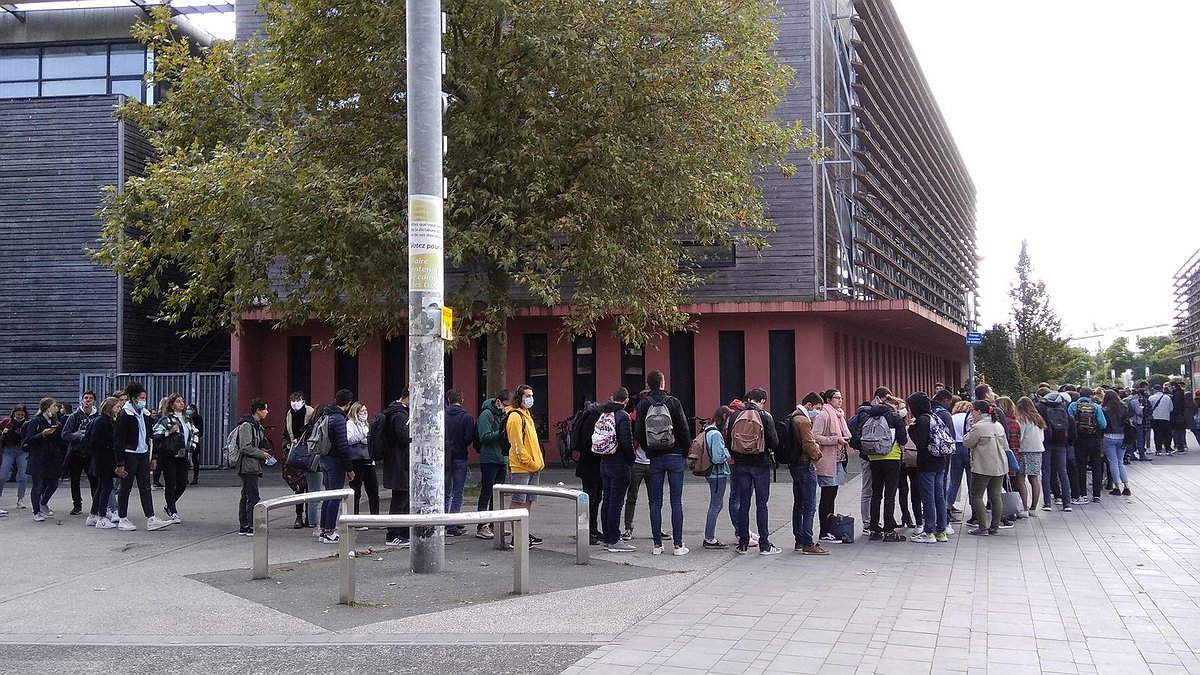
(877, 436)
(660, 429)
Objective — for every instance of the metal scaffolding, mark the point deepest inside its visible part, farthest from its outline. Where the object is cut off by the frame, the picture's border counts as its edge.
(1187, 306)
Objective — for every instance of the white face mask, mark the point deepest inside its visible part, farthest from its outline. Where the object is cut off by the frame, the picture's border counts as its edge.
(362, 417)
(528, 401)
(297, 405)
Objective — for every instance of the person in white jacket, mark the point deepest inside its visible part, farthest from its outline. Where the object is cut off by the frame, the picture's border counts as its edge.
(357, 432)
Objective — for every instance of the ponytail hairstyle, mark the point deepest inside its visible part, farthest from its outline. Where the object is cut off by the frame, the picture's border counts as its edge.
(985, 407)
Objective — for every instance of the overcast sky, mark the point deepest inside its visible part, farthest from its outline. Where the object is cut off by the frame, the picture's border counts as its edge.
(1077, 121)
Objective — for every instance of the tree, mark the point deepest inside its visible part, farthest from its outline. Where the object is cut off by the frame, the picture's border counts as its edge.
(1042, 354)
(586, 142)
(996, 360)
(1118, 357)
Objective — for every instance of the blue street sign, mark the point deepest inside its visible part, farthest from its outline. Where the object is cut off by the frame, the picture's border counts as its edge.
(974, 339)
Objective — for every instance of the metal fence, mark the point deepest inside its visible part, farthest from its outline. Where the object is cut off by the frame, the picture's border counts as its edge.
(214, 393)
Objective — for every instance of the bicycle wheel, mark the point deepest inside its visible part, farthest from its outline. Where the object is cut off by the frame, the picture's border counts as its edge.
(564, 449)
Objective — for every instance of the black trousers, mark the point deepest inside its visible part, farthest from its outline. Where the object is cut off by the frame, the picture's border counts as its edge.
(399, 505)
(196, 466)
(365, 476)
(825, 508)
(76, 468)
(1089, 456)
(595, 491)
(1162, 435)
(174, 473)
(248, 500)
(137, 468)
(909, 486)
(885, 477)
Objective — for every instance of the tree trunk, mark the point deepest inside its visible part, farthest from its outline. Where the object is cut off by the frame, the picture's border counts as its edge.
(497, 361)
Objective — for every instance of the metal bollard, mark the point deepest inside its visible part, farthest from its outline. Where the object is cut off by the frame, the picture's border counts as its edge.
(260, 541)
(583, 530)
(346, 561)
(521, 563)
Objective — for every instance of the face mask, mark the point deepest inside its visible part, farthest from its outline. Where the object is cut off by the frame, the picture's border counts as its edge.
(528, 401)
(362, 417)
(297, 405)
(189, 414)
(141, 405)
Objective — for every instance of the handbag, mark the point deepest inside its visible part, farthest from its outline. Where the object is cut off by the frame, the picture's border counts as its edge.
(1011, 501)
(299, 457)
(1013, 465)
(841, 527)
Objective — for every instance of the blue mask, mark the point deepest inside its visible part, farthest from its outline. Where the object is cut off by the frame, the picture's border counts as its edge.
(141, 405)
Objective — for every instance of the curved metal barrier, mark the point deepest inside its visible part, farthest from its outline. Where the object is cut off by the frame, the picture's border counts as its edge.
(582, 533)
(264, 507)
(347, 524)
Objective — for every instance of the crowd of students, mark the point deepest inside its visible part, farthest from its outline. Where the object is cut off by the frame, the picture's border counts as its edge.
(914, 453)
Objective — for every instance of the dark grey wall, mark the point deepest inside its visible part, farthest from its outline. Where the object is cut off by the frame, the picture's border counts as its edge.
(57, 307)
(247, 20)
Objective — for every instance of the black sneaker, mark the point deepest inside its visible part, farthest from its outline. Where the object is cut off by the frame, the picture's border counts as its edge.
(1095, 500)
(534, 541)
(1126, 492)
(742, 550)
(876, 536)
(993, 531)
(76, 511)
(1114, 491)
(715, 544)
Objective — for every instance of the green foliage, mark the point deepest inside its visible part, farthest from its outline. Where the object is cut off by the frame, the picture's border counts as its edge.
(996, 361)
(1041, 351)
(586, 140)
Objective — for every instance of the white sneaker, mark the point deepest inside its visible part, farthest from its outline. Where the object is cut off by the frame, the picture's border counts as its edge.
(657, 550)
(923, 538)
(774, 550)
(754, 540)
(156, 523)
(3, 513)
(105, 524)
(39, 518)
(175, 518)
(111, 515)
(21, 504)
(621, 547)
(681, 550)
(331, 538)
(91, 521)
(125, 526)
(398, 542)
(48, 512)
(949, 528)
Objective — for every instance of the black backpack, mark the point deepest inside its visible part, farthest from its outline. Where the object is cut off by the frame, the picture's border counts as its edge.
(505, 443)
(380, 439)
(84, 450)
(789, 447)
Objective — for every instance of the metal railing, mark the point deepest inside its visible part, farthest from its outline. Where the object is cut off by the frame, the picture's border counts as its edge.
(264, 507)
(347, 524)
(582, 533)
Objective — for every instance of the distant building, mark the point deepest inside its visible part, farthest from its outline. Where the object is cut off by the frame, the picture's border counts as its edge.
(1187, 314)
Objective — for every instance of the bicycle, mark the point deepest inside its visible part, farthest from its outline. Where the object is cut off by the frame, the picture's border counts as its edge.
(563, 439)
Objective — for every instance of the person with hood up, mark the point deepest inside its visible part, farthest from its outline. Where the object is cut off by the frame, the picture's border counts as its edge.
(587, 469)
(988, 442)
(931, 468)
(493, 465)
(460, 435)
(884, 470)
(251, 437)
(605, 437)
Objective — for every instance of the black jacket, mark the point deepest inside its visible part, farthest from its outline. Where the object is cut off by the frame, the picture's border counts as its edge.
(74, 428)
(395, 465)
(868, 410)
(772, 439)
(1060, 439)
(922, 411)
(125, 435)
(45, 458)
(679, 424)
(589, 462)
(104, 460)
(460, 433)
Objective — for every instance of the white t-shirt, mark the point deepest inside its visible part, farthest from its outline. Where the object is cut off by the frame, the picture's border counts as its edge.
(960, 426)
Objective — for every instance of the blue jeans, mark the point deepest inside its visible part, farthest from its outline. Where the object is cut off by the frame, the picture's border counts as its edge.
(457, 471)
(804, 501)
(716, 499)
(933, 501)
(753, 480)
(1058, 481)
(960, 463)
(669, 467)
(615, 477)
(335, 479)
(1115, 454)
(14, 455)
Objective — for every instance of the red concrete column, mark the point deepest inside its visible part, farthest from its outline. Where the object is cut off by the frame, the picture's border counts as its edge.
(370, 376)
(322, 365)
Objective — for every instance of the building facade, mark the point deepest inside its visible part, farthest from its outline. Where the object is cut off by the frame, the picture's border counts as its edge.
(865, 281)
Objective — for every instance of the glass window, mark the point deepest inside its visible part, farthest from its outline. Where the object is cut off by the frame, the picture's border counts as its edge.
(74, 87)
(131, 88)
(18, 89)
(127, 60)
(633, 367)
(585, 370)
(84, 61)
(20, 64)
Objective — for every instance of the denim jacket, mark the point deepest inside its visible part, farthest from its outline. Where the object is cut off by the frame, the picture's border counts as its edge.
(717, 452)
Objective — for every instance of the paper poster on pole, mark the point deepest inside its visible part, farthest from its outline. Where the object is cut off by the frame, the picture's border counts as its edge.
(425, 269)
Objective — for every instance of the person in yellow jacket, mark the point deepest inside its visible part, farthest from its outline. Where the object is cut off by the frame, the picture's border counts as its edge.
(525, 460)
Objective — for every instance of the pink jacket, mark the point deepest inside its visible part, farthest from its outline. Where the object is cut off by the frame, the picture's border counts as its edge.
(829, 428)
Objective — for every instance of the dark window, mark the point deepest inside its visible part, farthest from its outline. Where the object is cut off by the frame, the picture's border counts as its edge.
(345, 371)
(300, 364)
(683, 372)
(782, 399)
(708, 257)
(75, 70)
(731, 355)
(633, 368)
(584, 367)
(395, 368)
(537, 375)
(448, 370)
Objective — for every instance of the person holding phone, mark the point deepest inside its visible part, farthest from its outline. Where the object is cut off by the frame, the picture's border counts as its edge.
(174, 438)
(11, 442)
(44, 467)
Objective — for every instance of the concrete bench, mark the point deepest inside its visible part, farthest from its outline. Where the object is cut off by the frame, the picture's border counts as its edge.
(264, 507)
(582, 533)
(347, 524)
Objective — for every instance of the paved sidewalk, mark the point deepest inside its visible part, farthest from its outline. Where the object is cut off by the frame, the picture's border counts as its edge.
(1109, 588)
